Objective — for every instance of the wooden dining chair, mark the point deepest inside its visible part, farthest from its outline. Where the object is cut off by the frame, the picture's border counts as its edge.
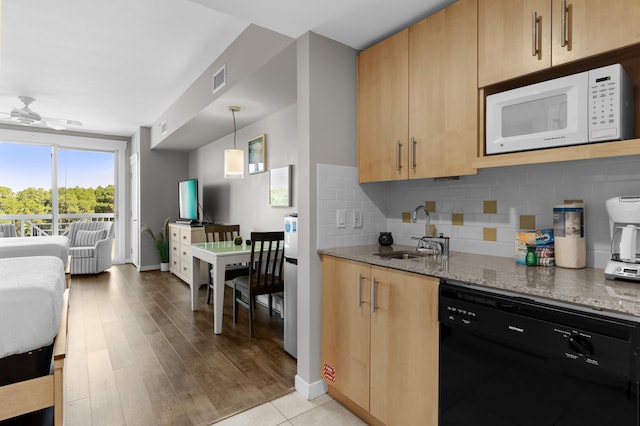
(265, 275)
(216, 233)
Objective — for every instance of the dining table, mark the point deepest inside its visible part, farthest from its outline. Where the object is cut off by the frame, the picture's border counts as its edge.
(219, 255)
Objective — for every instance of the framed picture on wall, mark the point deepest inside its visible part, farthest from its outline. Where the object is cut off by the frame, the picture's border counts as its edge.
(258, 154)
(280, 187)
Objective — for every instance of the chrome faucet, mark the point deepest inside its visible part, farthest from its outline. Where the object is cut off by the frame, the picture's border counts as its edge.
(433, 245)
(436, 245)
(414, 218)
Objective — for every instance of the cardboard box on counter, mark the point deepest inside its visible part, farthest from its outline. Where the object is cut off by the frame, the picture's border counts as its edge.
(541, 238)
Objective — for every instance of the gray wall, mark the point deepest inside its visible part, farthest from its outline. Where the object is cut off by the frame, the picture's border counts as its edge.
(245, 201)
(327, 134)
(320, 127)
(160, 172)
(248, 53)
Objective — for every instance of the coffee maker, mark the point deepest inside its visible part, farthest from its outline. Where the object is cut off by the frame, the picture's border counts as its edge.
(624, 222)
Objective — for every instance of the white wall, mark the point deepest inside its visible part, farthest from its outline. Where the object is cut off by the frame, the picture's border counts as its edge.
(245, 201)
(518, 190)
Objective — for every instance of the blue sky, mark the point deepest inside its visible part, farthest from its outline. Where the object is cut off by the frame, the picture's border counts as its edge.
(23, 166)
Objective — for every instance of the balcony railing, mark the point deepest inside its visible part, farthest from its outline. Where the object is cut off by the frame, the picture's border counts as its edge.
(31, 225)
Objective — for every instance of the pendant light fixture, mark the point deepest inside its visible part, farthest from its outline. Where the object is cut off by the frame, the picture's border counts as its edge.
(234, 158)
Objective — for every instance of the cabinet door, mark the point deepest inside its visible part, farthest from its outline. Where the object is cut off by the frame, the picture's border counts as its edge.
(506, 38)
(404, 348)
(383, 110)
(174, 257)
(593, 27)
(174, 249)
(346, 327)
(443, 92)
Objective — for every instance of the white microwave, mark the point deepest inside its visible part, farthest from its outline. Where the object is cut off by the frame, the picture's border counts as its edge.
(591, 106)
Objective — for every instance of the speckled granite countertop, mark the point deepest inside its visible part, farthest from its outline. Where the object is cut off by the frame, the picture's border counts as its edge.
(584, 287)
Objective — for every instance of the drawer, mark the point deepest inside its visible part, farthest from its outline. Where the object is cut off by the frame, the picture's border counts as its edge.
(184, 253)
(185, 236)
(174, 251)
(174, 265)
(185, 269)
(174, 234)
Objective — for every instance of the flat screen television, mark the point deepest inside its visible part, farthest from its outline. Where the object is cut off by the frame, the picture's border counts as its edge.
(188, 196)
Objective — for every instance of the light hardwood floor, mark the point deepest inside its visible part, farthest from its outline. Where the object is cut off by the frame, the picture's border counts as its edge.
(138, 355)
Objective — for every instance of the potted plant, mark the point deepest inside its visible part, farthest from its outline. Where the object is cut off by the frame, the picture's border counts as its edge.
(161, 241)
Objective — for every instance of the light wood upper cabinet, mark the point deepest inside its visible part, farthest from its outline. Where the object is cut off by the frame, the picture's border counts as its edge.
(597, 34)
(519, 37)
(443, 106)
(593, 27)
(506, 36)
(385, 360)
(383, 110)
(417, 99)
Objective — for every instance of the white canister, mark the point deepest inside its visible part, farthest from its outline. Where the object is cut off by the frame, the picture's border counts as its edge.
(568, 232)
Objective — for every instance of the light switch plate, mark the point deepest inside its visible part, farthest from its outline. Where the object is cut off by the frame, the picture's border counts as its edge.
(341, 219)
(357, 219)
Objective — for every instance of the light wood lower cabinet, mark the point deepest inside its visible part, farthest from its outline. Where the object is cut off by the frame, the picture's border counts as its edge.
(381, 362)
(180, 260)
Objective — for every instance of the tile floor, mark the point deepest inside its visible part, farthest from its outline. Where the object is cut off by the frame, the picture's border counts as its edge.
(294, 409)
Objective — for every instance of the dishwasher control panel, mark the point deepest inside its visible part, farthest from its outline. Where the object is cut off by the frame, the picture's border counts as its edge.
(544, 330)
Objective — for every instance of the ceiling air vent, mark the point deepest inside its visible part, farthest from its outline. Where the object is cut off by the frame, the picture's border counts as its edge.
(163, 127)
(220, 78)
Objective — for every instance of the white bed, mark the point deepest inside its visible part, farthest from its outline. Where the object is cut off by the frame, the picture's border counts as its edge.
(31, 293)
(33, 316)
(56, 245)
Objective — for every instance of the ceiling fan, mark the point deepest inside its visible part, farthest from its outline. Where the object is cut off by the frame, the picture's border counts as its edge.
(28, 117)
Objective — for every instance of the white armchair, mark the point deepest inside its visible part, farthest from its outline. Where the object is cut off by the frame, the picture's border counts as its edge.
(91, 244)
(7, 230)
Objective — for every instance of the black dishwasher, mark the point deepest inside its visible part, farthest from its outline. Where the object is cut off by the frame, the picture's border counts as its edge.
(510, 360)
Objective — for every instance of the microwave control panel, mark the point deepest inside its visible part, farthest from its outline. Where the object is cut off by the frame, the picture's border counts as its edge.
(610, 104)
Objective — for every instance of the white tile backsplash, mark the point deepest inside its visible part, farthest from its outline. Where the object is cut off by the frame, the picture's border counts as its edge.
(519, 190)
(338, 188)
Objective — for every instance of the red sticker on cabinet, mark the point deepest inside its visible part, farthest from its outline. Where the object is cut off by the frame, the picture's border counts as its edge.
(328, 373)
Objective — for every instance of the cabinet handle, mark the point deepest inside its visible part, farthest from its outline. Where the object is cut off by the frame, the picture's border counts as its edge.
(534, 34)
(563, 30)
(412, 153)
(360, 277)
(398, 156)
(374, 283)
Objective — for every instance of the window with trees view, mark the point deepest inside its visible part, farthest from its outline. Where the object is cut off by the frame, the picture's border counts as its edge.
(34, 178)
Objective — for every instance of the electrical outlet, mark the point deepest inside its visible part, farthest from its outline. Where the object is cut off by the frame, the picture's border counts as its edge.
(341, 219)
(357, 219)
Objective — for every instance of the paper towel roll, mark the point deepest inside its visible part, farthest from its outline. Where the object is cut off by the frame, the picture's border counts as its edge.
(570, 241)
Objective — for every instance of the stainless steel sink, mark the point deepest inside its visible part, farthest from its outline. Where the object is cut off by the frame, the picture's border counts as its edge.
(401, 254)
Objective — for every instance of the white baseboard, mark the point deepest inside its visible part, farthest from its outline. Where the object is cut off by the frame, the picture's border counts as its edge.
(310, 391)
(149, 268)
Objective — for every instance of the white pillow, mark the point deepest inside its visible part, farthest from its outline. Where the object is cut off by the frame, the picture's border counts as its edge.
(88, 238)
